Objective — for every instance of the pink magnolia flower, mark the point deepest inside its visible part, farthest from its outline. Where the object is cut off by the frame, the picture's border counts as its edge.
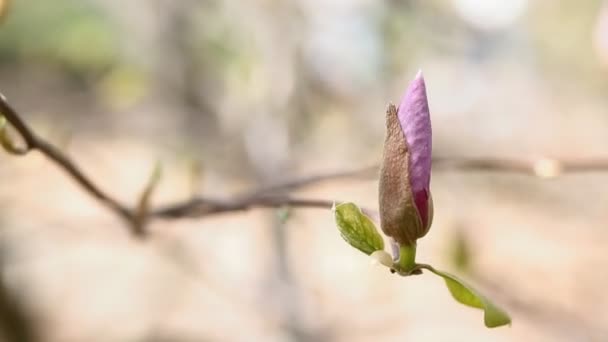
(406, 209)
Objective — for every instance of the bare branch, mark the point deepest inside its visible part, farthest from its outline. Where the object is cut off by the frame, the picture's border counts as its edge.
(270, 196)
(544, 167)
(137, 218)
(290, 185)
(200, 206)
(33, 142)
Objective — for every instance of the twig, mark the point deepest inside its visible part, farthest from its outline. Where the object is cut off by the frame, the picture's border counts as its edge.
(361, 173)
(143, 207)
(33, 142)
(201, 206)
(137, 218)
(544, 167)
(270, 196)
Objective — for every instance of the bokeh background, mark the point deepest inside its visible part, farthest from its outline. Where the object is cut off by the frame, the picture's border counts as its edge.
(230, 95)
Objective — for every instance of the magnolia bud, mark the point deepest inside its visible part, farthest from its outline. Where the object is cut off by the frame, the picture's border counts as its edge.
(406, 208)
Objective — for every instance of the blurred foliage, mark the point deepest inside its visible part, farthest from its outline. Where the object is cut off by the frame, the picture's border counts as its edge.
(460, 251)
(558, 32)
(70, 33)
(123, 86)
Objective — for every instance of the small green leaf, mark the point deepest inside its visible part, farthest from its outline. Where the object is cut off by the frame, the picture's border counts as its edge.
(357, 229)
(7, 142)
(467, 295)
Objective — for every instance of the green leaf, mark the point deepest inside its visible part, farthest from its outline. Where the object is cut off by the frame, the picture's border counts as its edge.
(357, 229)
(7, 142)
(467, 295)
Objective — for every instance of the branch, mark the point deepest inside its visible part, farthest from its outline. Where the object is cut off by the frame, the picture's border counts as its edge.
(136, 218)
(270, 196)
(544, 167)
(199, 207)
(290, 185)
(33, 142)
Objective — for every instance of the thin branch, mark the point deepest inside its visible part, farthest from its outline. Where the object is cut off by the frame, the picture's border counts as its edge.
(270, 196)
(33, 142)
(200, 206)
(544, 167)
(290, 185)
(143, 207)
(196, 207)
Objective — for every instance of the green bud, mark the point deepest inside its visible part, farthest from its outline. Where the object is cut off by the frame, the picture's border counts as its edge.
(357, 229)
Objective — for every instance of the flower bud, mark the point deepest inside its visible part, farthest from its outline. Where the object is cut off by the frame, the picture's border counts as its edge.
(406, 208)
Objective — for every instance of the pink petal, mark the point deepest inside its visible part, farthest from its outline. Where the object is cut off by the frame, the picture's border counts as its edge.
(415, 120)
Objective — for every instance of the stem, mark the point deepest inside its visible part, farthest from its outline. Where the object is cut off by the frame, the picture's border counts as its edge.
(407, 258)
(429, 268)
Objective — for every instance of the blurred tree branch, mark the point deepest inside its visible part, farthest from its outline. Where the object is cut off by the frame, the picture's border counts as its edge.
(33, 142)
(15, 321)
(201, 206)
(137, 217)
(270, 196)
(540, 167)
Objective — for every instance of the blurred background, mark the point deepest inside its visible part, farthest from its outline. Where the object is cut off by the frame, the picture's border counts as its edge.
(231, 95)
